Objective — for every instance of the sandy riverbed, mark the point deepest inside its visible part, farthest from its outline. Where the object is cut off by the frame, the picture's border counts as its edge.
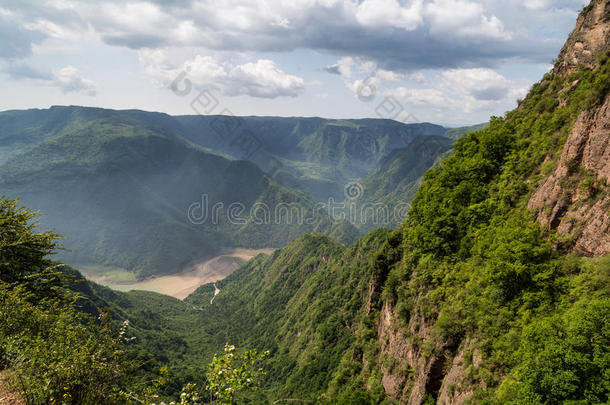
(180, 285)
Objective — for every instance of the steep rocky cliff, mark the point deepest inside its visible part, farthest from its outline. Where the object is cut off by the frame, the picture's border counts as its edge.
(589, 38)
(574, 198)
(562, 133)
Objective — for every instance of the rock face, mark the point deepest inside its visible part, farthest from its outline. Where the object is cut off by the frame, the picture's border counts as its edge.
(415, 364)
(407, 372)
(589, 38)
(574, 198)
(580, 208)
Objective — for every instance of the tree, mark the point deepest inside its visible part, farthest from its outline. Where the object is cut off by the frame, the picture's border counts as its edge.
(233, 372)
(23, 251)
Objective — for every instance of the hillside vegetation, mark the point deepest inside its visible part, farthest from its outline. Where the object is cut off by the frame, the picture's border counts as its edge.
(469, 300)
(474, 298)
(120, 185)
(120, 192)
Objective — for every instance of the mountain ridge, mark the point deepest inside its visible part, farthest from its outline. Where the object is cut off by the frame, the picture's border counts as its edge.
(165, 164)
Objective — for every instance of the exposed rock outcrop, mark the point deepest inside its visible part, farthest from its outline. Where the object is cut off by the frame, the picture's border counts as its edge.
(457, 388)
(416, 364)
(574, 198)
(405, 368)
(579, 205)
(589, 38)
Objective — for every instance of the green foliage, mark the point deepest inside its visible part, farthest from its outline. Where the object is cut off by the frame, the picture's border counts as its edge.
(395, 180)
(235, 372)
(476, 264)
(58, 354)
(565, 354)
(23, 251)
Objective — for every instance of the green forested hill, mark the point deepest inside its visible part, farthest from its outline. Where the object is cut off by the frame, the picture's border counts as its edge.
(315, 154)
(303, 303)
(394, 182)
(120, 192)
(469, 300)
(474, 298)
(118, 184)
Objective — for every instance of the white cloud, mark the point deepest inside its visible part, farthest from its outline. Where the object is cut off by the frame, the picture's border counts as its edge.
(459, 92)
(383, 13)
(420, 97)
(464, 18)
(262, 79)
(480, 83)
(69, 79)
(536, 4)
(388, 75)
(366, 88)
(256, 79)
(399, 35)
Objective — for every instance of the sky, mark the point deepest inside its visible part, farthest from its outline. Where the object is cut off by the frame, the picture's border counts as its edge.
(451, 62)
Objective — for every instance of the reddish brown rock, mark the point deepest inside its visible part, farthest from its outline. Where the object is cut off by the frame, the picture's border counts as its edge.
(589, 38)
(562, 205)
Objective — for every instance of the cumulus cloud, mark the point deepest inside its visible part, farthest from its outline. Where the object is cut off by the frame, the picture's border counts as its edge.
(481, 84)
(69, 80)
(383, 13)
(463, 90)
(464, 18)
(17, 41)
(396, 34)
(256, 79)
(262, 79)
(459, 93)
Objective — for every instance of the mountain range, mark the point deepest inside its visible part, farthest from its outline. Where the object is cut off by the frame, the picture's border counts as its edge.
(494, 289)
(150, 193)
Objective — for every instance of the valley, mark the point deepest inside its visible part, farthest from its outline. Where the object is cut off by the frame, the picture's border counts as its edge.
(180, 284)
(149, 258)
(149, 193)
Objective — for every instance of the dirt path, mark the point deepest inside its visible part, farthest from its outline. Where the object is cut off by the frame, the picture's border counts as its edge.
(7, 396)
(216, 291)
(182, 284)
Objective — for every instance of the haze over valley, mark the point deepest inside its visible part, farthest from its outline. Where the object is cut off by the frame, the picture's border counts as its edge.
(338, 202)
